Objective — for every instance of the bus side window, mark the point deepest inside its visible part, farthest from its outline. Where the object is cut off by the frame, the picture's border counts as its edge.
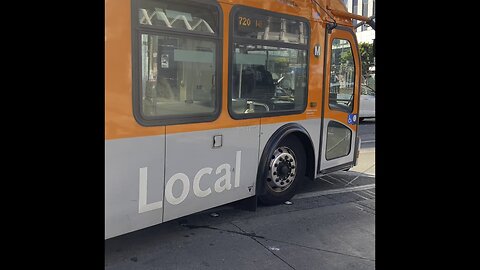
(269, 63)
(178, 58)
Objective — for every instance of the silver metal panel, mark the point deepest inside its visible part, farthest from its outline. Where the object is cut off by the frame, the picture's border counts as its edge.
(325, 164)
(312, 126)
(134, 177)
(199, 176)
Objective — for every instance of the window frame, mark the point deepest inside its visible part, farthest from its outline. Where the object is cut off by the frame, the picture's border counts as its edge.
(354, 81)
(272, 43)
(137, 31)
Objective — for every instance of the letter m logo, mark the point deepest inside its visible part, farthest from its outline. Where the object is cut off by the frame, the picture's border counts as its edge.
(316, 50)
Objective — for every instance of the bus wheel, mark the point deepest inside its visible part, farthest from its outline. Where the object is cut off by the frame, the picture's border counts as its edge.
(285, 172)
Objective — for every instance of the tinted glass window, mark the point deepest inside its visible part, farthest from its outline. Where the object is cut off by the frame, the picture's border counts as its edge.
(269, 64)
(177, 15)
(342, 76)
(339, 138)
(177, 61)
(264, 27)
(178, 75)
(268, 79)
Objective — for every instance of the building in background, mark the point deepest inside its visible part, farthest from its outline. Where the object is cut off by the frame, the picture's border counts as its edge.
(365, 34)
(365, 8)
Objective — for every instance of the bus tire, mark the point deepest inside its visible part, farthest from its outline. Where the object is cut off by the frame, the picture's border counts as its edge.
(284, 173)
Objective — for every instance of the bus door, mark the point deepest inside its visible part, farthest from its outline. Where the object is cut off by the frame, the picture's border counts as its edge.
(340, 125)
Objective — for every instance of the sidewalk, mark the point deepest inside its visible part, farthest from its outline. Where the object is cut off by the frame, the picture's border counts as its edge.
(366, 162)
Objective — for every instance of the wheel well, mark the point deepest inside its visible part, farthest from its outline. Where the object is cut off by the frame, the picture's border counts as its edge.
(284, 132)
(308, 147)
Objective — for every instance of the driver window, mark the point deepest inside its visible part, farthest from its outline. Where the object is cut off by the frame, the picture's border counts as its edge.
(342, 76)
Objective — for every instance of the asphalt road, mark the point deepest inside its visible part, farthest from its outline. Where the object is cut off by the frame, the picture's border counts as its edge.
(330, 225)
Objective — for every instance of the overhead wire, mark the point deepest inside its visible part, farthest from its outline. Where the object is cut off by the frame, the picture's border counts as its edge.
(326, 12)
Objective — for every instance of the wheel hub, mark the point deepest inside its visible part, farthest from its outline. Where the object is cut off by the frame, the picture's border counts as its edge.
(282, 169)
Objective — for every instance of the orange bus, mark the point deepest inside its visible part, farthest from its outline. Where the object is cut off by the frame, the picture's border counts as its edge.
(209, 102)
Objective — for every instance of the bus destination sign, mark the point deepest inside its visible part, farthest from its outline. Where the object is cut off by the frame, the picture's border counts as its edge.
(250, 23)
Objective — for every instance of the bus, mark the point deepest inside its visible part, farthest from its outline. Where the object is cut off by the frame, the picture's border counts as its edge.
(209, 102)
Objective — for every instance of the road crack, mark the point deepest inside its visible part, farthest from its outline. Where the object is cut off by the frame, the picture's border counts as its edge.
(307, 247)
(223, 230)
(254, 237)
(321, 249)
(269, 250)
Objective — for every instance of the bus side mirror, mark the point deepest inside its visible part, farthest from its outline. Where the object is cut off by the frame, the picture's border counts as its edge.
(371, 23)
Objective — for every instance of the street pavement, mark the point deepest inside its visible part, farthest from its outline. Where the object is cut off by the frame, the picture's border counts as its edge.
(329, 225)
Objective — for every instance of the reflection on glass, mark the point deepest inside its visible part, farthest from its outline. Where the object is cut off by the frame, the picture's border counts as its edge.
(178, 75)
(273, 28)
(338, 140)
(177, 15)
(342, 76)
(268, 79)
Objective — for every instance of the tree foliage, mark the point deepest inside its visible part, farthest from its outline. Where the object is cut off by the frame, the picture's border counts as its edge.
(367, 54)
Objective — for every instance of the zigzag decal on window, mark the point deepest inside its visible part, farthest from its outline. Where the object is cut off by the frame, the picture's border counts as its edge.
(147, 19)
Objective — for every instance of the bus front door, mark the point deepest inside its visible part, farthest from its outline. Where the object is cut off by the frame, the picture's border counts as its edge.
(342, 83)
